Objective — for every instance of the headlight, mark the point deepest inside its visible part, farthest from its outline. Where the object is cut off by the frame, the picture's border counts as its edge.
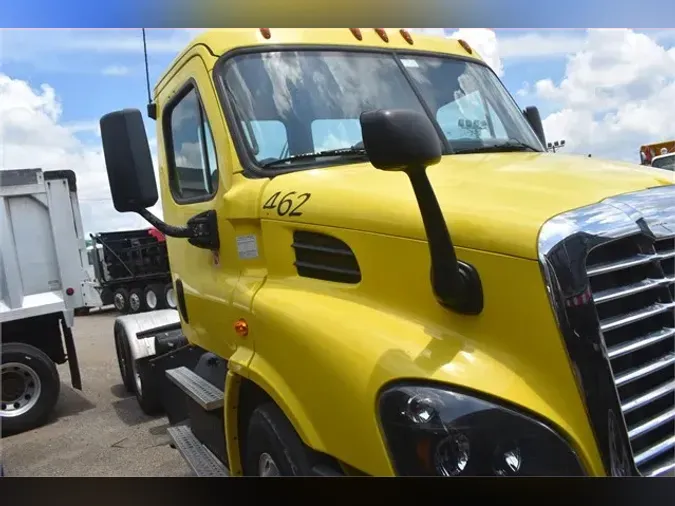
(437, 432)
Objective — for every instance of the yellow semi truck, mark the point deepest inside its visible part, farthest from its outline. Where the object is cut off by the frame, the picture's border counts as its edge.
(379, 270)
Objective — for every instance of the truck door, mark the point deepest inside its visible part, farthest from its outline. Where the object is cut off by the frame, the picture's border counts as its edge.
(194, 174)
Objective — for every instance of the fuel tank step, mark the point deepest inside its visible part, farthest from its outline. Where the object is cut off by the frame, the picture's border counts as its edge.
(201, 391)
(202, 462)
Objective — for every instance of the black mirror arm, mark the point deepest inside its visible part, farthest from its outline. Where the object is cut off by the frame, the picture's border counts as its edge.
(165, 228)
(456, 284)
(201, 230)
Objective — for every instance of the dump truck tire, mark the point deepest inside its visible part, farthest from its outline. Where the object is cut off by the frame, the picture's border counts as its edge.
(170, 296)
(121, 300)
(154, 297)
(30, 387)
(136, 301)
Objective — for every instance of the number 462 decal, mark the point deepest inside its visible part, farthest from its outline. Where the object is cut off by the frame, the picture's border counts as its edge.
(289, 203)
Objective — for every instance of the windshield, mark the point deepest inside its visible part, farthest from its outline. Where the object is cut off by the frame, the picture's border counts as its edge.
(667, 162)
(292, 103)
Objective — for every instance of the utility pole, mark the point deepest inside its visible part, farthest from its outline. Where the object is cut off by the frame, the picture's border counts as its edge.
(555, 146)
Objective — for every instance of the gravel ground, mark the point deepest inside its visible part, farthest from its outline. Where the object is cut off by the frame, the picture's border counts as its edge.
(100, 431)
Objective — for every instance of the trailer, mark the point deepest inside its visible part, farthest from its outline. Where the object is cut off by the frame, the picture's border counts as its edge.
(42, 282)
(131, 268)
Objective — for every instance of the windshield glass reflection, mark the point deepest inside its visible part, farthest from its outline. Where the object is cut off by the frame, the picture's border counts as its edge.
(293, 103)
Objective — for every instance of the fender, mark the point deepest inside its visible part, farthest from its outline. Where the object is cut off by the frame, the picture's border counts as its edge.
(138, 323)
(325, 371)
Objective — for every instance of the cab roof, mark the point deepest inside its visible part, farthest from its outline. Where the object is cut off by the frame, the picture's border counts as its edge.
(220, 41)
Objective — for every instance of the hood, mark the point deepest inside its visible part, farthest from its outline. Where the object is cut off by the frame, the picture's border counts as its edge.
(493, 202)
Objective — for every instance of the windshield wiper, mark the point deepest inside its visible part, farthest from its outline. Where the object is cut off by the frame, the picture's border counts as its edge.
(503, 147)
(318, 154)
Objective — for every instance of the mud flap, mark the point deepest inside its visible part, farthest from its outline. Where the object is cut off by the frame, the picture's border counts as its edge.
(73, 364)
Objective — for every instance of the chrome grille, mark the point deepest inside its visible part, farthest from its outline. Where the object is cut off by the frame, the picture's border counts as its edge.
(632, 283)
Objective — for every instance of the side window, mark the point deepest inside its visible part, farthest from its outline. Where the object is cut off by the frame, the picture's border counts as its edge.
(335, 133)
(193, 159)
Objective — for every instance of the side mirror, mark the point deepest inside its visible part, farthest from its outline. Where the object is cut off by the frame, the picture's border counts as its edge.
(400, 140)
(534, 119)
(406, 141)
(132, 178)
(128, 161)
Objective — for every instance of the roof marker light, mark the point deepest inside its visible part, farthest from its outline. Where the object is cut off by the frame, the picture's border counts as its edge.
(266, 32)
(383, 34)
(406, 35)
(357, 33)
(466, 46)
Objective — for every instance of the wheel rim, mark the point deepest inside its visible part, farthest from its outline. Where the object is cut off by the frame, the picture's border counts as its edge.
(151, 299)
(21, 388)
(267, 468)
(134, 302)
(118, 300)
(170, 298)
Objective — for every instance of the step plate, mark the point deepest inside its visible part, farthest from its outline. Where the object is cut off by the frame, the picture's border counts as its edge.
(200, 390)
(200, 459)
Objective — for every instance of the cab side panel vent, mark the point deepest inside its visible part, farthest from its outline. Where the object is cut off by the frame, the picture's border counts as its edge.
(324, 257)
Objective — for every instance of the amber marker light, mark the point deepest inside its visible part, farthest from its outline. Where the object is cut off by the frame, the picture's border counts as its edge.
(406, 35)
(466, 46)
(241, 327)
(382, 33)
(357, 33)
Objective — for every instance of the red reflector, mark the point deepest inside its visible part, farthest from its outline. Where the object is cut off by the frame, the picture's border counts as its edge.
(69, 291)
(383, 35)
(266, 32)
(406, 35)
(357, 33)
(466, 46)
(156, 234)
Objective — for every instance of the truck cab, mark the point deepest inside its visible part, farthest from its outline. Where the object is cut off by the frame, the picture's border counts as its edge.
(380, 270)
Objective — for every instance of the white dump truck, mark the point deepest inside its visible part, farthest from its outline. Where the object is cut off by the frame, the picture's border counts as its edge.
(43, 280)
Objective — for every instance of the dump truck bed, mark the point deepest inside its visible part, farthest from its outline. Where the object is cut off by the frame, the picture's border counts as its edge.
(42, 248)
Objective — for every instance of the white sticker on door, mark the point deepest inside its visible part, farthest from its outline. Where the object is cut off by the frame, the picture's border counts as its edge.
(247, 246)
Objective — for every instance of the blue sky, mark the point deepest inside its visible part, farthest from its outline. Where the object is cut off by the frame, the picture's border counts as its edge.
(605, 92)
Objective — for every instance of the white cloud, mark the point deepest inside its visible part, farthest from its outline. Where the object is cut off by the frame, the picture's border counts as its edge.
(115, 70)
(32, 135)
(617, 93)
(541, 45)
(524, 90)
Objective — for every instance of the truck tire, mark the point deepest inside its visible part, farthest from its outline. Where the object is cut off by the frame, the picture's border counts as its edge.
(272, 447)
(123, 358)
(170, 296)
(121, 300)
(30, 387)
(136, 301)
(148, 398)
(153, 295)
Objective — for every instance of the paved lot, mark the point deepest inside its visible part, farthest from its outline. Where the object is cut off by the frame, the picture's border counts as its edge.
(100, 431)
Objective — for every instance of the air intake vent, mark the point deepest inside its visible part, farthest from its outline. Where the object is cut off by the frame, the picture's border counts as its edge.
(324, 257)
(633, 282)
